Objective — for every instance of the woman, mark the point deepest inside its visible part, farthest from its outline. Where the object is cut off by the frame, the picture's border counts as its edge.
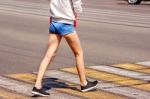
(62, 13)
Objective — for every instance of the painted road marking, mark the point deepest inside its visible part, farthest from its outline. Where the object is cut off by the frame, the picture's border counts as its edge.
(110, 87)
(146, 63)
(25, 89)
(112, 82)
(118, 71)
(27, 77)
(117, 79)
(64, 87)
(6, 94)
(16, 86)
(134, 67)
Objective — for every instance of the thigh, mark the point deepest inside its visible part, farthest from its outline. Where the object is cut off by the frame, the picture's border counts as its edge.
(74, 42)
(53, 43)
(54, 39)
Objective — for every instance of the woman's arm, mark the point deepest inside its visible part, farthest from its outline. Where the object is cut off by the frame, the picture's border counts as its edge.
(77, 6)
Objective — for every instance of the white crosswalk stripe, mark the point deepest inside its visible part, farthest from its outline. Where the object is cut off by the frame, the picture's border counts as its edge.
(24, 88)
(114, 88)
(111, 69)
(147, 63)
(15, 85)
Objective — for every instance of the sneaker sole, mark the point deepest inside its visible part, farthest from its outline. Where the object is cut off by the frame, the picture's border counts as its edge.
(37, 93)
(91, 88)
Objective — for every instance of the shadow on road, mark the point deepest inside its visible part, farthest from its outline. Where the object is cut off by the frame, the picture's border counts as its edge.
(49, 83)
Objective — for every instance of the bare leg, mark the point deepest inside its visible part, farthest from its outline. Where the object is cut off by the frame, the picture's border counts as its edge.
(53, 44)
(74, 43)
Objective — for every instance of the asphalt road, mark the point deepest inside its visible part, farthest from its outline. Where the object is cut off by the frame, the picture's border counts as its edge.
(111, 32)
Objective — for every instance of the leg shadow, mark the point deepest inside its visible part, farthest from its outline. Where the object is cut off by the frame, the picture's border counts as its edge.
(49, 83)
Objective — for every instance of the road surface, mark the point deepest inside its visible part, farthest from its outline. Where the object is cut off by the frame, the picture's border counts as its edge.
(111, 32)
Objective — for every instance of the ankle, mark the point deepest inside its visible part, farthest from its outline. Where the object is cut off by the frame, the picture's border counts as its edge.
(84, 83)
(38, 87)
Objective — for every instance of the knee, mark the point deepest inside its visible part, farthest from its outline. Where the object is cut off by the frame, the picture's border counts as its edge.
(54, 54)
(78, 54)
(50, 55)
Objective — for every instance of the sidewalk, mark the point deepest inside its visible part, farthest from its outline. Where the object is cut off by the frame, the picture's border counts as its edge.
(121, 81)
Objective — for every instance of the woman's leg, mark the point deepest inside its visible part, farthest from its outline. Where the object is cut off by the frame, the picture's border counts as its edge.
(74, 43)
(53, 44)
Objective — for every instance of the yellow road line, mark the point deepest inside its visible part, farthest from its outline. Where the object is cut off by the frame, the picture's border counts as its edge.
(134, 67)
(144, 71)
(117, 79)
(26, 77)
(74, 90)
(4, 94)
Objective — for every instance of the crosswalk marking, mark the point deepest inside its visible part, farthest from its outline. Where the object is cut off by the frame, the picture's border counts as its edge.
(134, 67)
(115, 81)
(130, 66)
(146, 63)
(27, 77)
(30, 78)
(94, 95)
(5, 94)
(15, 86)
(102, 85)
(109, 77)
(123, 72)
(25, 88)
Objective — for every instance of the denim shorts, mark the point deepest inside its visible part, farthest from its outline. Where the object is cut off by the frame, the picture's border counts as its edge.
(61, 28)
